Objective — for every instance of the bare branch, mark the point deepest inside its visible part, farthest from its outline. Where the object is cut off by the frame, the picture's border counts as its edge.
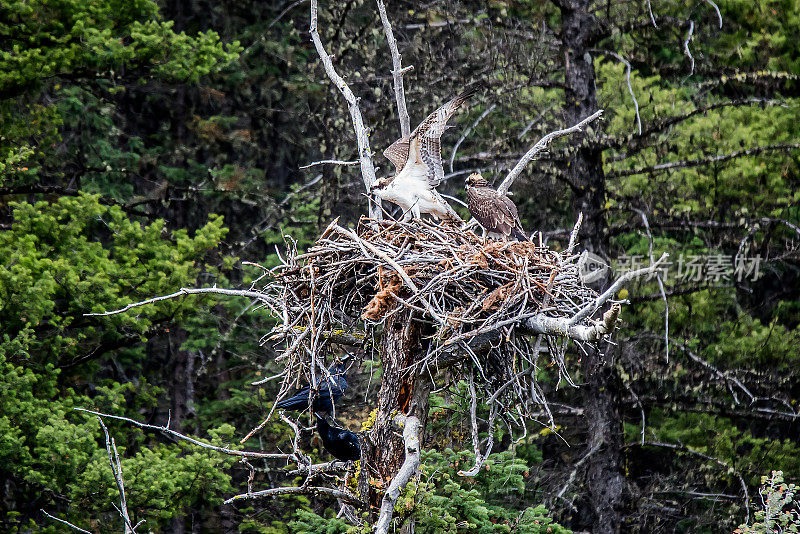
(616, 286)
(716, 8)
(185, 291)
(297, 490)
(686, 45)
(116, 470)
(397, 72)
(540, 145)
(630, 87)
(79, 529)
(437, 24)
(730, 468)
(650, 10)
(178, 435)
(722, 375)
(542, 324)
(575, 469)
(291, 195)
(480, 457)
(660, 282)
(411, 428)
(324, 467)
(286, 10)
(573, 237)
(362, 135)
(631, 142)
(329, 162)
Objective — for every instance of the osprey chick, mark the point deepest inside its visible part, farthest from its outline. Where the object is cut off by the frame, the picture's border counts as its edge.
(496, 213)
(418, 159)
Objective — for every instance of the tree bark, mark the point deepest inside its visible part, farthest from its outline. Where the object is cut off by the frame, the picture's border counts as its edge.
(402, 390)
(604, 480)
(585, 171)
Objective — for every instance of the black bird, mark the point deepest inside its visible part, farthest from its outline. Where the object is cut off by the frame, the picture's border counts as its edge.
(325, 393)
(341, 443)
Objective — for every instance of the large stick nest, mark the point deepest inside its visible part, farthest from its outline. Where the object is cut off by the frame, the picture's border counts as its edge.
(350, 281)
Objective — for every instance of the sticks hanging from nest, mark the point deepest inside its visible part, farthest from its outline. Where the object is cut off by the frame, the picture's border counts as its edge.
(483, 298)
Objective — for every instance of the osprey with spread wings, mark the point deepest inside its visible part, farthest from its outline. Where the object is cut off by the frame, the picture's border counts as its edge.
(418, 159)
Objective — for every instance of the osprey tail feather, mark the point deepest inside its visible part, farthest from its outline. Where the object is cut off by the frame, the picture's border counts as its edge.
(519, 234)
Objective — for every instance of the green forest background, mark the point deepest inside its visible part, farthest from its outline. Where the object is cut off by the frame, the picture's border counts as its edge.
(147, 146)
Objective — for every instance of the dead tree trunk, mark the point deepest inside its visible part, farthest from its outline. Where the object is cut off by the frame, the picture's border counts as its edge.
(604, 479)
(605, 482)
(402, 390)
(585, 172)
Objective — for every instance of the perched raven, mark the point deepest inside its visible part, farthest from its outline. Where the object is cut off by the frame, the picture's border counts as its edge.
(325, 393)
(341, 443)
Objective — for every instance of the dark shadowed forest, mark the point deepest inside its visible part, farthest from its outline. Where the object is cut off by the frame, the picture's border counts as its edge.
(330, 363)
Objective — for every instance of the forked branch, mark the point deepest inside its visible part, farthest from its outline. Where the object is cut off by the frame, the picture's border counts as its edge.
(116, 470)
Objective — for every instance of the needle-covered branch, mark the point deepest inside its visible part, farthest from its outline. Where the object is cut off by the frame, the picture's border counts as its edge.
(633, 143)
(663, 167)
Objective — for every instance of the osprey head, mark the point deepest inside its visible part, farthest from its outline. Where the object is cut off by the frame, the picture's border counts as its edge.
(380, 183)
(476, 180)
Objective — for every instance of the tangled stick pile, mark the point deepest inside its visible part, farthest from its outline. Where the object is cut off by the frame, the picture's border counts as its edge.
(352, 280)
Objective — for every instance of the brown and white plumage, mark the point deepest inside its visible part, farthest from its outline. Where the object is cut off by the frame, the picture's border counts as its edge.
(418, 159)
(496, 213)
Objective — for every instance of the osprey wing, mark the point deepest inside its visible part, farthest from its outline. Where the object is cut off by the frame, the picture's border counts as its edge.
(430, 131)
(397, 153)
